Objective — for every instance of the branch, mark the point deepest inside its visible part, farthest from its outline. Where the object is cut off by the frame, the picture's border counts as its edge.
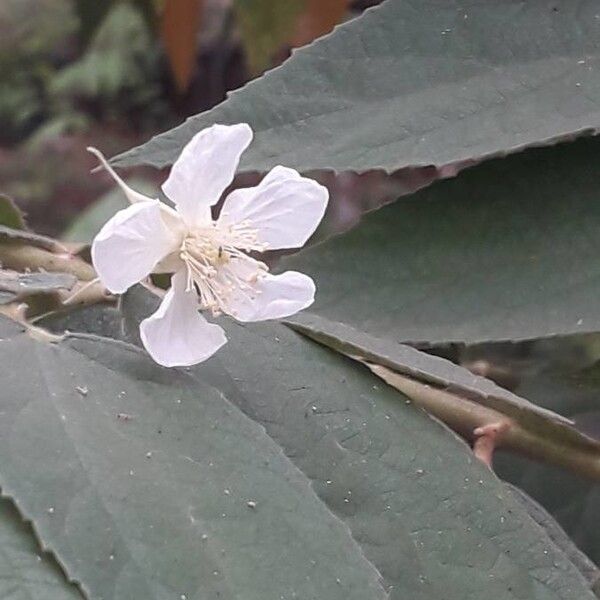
(474, 422)
(22, 257)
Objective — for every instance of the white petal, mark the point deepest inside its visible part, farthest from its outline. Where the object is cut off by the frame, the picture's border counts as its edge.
(280, 173)
(177, 334)
(285, 208)
(130, 244)
(204, 169)
(273, 297)
(131, 194)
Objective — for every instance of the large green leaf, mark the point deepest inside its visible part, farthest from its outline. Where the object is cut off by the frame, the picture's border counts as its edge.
(574, 502)
(98, 319)
(417, 83)
(433, 520)
(558, 535)
(26, 572)
(419, 365)
(506, 250)
(466, 401)
(149, 484)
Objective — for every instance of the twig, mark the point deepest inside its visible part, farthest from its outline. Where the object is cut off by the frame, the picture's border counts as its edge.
(487, 439)
(21, 257)
(476, 422)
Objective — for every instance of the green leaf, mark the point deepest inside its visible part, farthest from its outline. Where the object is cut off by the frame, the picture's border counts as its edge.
(25, 571)
(467, 401)
(99, 319)
(558, 535)
(571, 500)
(14, 286)
(506, 250)
(432, 519)
(411, 84)
(419, 365)
(10, 214)
(149, 484)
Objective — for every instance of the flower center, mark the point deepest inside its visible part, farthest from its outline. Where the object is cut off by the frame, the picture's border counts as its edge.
(216, 266)
(205, 252)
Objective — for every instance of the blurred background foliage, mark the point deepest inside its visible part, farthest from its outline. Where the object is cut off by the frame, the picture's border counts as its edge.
(116, 72)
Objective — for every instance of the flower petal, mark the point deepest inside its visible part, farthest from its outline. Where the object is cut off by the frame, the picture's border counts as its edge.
(131, 194)
(280, 173)
(177, 334)
(272, 297)
(285, 208)
(130, 244)
(204, 169)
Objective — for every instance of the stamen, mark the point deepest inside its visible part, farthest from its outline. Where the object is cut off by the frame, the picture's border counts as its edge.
(209, 253)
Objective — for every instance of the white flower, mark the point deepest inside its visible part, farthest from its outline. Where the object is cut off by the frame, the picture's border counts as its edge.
(212, 270)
